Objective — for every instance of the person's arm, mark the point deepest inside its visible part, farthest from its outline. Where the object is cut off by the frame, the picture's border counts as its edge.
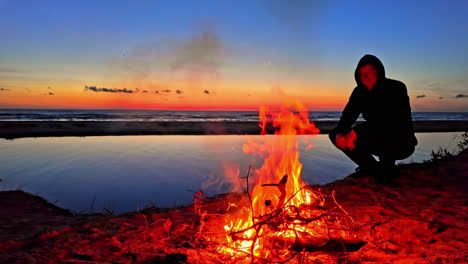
(350, 113)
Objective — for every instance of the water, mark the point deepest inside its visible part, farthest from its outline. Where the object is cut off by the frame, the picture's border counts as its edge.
(165, 115)
(124, 173)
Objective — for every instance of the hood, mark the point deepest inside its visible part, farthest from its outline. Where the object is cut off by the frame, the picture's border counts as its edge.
(372, 60)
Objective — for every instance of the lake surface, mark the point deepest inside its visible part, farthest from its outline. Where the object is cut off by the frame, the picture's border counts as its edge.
(123, 173)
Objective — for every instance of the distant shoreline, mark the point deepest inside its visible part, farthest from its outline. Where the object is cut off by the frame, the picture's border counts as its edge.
(19, 129)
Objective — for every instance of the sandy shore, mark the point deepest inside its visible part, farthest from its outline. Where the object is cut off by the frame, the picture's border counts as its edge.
(419, 218)
(18, 129)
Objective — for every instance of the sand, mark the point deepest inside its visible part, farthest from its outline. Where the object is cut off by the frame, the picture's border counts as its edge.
(420, 217)
(19, 129)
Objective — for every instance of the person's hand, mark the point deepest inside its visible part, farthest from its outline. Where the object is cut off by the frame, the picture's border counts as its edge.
(340, 140)
(346, 141)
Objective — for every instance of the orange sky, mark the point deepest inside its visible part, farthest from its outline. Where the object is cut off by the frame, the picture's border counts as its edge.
(224, 95)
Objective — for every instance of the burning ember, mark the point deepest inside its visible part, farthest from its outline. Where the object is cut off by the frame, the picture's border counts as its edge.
(283, 216)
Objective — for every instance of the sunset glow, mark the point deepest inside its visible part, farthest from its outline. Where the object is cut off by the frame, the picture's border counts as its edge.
(205, 56)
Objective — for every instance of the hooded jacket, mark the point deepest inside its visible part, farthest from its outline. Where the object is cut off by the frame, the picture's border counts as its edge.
(385, 107)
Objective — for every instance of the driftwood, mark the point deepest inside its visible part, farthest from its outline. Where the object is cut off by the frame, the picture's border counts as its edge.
(310, 244)
(285, 217)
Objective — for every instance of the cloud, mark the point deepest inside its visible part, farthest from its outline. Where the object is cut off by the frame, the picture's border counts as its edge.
(144, 91)
(51, 93)
(441, 97)
(179, 92)
(421, 96)
(4, 89)
(108, 90)
(206, 92)
(166, 91)
(434, 86)
(461, 96)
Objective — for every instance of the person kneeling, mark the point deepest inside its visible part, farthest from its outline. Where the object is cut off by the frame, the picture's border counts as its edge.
(387, 131)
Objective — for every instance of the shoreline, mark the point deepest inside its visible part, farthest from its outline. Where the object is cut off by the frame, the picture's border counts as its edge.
(20, 129)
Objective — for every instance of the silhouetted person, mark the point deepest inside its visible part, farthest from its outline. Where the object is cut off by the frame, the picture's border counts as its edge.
(388, 130)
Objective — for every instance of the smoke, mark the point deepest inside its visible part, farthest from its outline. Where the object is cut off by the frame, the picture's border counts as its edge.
(229, 179)
(195, 60)
(201, 54)
(107, 90)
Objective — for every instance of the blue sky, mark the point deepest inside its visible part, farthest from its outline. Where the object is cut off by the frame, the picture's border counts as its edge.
(270, 42)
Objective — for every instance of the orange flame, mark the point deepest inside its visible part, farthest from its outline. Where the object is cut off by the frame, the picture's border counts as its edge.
(278, 181)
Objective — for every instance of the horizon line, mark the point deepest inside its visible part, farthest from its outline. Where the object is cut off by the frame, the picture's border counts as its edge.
(195, 110)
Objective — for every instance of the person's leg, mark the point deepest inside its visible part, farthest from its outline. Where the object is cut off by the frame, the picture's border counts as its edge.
(387, 169)
(387, 158)
(361, 155)
(387, 161)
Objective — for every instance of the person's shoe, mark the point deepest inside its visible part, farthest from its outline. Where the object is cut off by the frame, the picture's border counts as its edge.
(363, 171)
(387, 174)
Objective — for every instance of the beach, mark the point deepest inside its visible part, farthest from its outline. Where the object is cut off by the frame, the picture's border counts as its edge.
(208, 132)
(19, 129)
(417, 218)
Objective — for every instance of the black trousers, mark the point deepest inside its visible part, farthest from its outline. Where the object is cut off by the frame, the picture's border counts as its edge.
(370, 141)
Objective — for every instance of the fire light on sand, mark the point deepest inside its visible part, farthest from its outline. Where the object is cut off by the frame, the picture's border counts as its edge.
(282, 218)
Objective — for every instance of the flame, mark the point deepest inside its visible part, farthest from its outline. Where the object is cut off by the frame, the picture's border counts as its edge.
(278, 182)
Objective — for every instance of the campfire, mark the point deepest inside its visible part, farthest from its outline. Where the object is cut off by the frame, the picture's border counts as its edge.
(281, 218)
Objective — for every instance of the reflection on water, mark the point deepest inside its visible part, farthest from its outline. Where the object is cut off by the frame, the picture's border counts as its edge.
(128, 172)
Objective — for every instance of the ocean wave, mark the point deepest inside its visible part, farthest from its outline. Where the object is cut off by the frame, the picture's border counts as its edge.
(167, 116)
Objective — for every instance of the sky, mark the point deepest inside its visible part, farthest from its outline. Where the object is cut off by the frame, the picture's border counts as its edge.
(227, 55)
